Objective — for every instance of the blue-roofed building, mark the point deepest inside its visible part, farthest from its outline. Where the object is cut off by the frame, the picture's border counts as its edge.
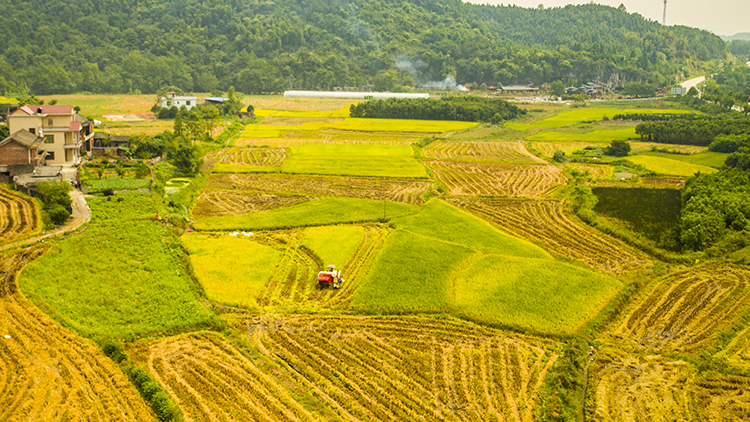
(215, 100)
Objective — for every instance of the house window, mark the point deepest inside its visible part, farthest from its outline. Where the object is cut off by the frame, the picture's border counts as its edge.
(49, 139)
(49, 122)
(50, 155)
(32, 131)
(187, 102)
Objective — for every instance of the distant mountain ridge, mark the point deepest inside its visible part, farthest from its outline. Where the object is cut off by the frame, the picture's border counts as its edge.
(118, 46)
(741, 36)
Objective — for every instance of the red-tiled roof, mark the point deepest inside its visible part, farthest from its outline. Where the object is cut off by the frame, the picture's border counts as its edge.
(31, 109)
(75, 126)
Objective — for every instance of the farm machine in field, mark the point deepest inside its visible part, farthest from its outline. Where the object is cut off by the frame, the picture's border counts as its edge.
(330, 278)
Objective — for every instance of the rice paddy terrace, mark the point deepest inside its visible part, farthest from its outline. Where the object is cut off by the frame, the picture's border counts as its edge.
(466, 277)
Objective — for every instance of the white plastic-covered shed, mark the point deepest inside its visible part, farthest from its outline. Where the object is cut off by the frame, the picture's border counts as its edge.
(353, 95)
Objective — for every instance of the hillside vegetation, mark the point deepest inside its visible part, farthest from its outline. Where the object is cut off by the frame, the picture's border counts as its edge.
(116, 47)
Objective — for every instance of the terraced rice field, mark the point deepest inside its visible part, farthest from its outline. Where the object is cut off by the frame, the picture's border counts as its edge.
(409, 368)
(635, 387)
(686, 311)
(18, 215)
(545, 222)
(218, 203)
(293, 281)
(595, 171)
(504, 151)
(498, 179)
(628, 387)
(212, 381)
(268, 157)
(48, 373)
(548, 148)
(227, 194)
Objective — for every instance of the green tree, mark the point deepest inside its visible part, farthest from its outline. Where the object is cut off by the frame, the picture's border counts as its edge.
(557, 88)
(618, 149)
(186, 159)
(639, 90)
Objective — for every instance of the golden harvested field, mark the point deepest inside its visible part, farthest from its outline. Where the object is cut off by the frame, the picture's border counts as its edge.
(212, 381)
(630, 387)
(18, 215)
(686, 311)
(279, 102)
(256, 156)
(548, 148)
(216, 203)
(262, 192)
(595, 171)
(498, 179)
(409, 368)
(545, 222)
(504, 151)
(638, 387)
(48, 373)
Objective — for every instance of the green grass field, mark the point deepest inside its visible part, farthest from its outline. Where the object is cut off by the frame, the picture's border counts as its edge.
(444, 260)
(335, 245)
(232, 270)
(261, 133)
(593, 136)
(354, 160)
(708, 158)
(124, 277)
(328, 211)
(669, 166)
(540, 294)
(116, 184)
(593, 114)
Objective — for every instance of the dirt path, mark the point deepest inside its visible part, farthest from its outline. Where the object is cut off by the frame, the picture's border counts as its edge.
(81, 215)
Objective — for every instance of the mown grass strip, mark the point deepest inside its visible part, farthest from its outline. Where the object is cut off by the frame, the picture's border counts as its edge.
(593, 136)
(222, 168)
(336, 210)
(669, 166)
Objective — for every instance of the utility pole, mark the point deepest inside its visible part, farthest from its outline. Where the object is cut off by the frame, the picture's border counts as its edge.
(664, 18)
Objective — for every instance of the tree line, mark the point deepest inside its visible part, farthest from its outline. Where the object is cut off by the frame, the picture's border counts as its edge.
(691, 130)
(465, 108)
(108, 46)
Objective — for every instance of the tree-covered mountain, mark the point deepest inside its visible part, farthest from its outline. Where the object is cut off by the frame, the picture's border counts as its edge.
(108, 46)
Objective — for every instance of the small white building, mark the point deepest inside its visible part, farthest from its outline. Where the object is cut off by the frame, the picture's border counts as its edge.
(171, 99)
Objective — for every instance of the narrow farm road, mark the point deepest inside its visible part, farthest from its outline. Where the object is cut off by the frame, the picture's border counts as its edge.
(81, 215)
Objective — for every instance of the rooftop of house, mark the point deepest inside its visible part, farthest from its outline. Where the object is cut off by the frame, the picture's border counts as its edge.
(42, 109)
(217, 99)
(23, 137)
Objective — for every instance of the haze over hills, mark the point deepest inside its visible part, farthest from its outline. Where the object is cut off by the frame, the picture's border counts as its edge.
(259, 46)
(742, 36)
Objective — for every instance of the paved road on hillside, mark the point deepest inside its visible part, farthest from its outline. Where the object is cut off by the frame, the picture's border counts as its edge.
(693, 82)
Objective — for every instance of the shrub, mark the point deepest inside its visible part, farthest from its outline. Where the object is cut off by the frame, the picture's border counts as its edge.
(114, 350)
(151, 391)
(559, 156)
(618, 149)
(58, 214)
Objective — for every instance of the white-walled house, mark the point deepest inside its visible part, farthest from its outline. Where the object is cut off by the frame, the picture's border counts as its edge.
(171, 99)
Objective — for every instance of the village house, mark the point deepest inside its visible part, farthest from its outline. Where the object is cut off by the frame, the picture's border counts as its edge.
(529, 89)
(171, 99)
(63, 131)
(19, 154)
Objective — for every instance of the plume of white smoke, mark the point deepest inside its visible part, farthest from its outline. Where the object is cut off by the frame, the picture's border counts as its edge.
(447, 84)
(412, 67)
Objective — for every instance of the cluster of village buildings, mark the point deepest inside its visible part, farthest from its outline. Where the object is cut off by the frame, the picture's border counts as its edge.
(47, 142)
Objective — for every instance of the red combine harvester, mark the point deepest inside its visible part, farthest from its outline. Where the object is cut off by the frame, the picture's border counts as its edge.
(330, 278)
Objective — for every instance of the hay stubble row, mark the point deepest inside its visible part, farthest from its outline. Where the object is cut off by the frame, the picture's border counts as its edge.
(498, 178)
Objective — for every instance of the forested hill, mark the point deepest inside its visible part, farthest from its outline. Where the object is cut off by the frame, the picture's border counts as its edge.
(56, 46)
